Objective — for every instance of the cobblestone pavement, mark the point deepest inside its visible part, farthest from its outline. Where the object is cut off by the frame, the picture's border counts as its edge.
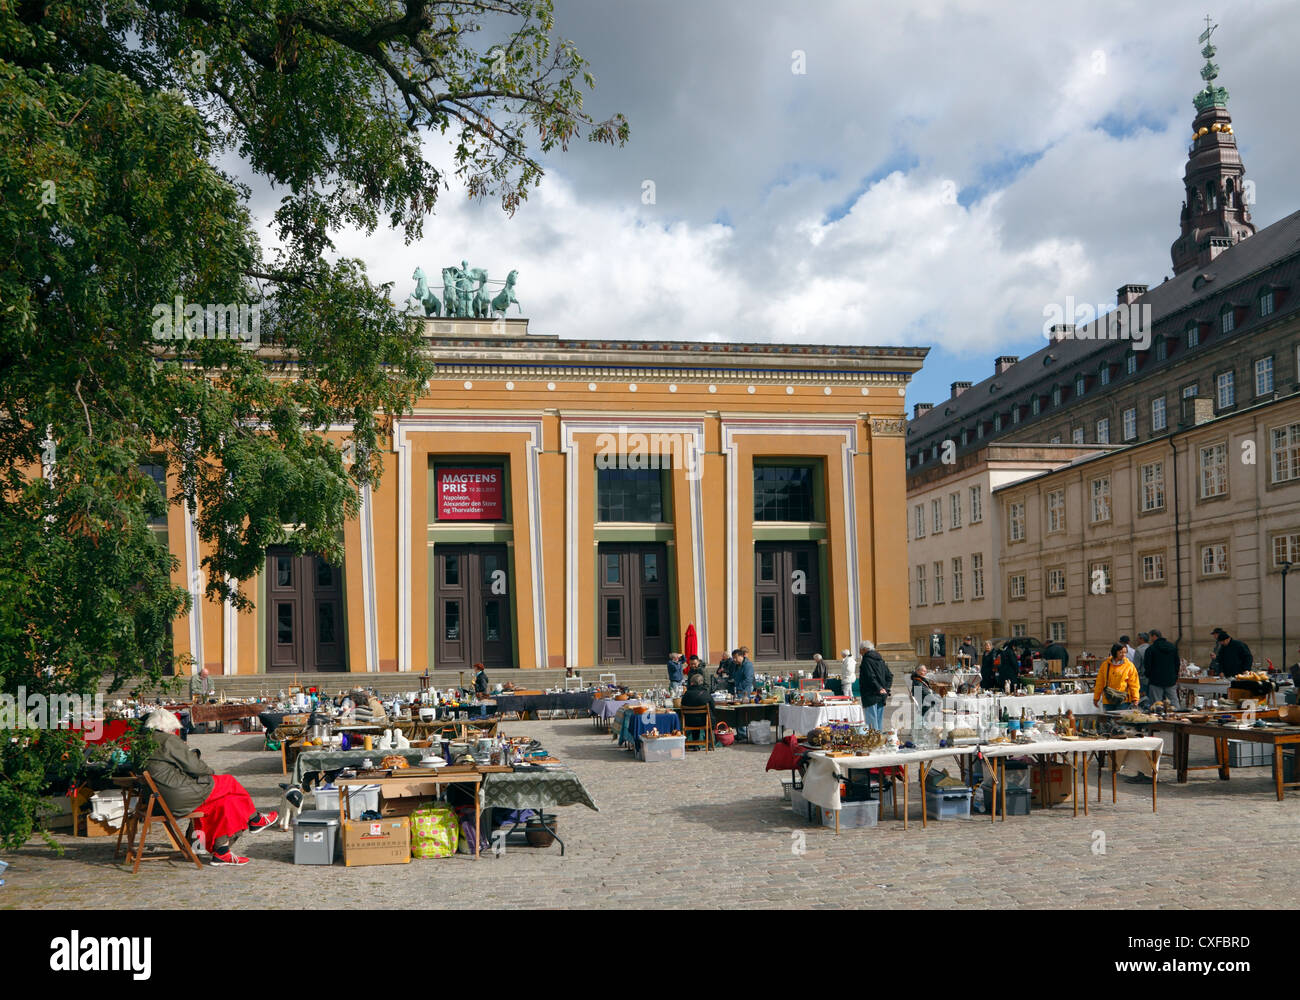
(712, 831)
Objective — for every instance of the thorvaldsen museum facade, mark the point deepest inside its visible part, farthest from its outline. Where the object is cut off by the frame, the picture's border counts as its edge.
(554, 503)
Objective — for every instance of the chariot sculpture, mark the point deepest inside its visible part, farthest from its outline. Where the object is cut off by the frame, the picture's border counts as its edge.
(465, 293)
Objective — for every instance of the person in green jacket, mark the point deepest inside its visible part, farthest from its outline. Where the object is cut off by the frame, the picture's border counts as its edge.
(187, 784)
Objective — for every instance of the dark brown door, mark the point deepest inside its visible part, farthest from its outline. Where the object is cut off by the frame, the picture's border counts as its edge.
(305, 615)
(787, 600)
(472, 606)
(633, 603)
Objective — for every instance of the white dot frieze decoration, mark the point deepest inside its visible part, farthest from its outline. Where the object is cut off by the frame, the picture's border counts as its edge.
(469, 385)
(713, 388)
(550, 386)
(510, 386)
(752, 390)
(827, 390)
(672, 388)
(632, 387)
(789, 390)
(591, 386)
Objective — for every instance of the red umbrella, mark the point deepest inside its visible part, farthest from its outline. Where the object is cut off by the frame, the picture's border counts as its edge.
(691, 647)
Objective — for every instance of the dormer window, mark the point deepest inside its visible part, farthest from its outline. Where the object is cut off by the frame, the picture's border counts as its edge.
(1131, 363)
(1193, 335)
(1266, 302)
(1162, 349)
(1015, 414)
(1105, 373)
(1056, 395)
(1079, 384)
(997, 422)
(979, 429)
(1034, 406)
(1227, 319)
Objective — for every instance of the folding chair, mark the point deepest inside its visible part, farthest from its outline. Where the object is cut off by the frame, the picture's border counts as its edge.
(690, 713)
(137, 822)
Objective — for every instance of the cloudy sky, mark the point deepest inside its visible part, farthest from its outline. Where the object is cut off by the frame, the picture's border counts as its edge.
(937, 174)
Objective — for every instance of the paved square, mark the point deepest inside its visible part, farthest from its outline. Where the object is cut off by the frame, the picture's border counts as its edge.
(712, 831)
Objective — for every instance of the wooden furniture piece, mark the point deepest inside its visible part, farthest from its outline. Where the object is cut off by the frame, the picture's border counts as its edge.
(137, 821)
(422, 781)
(688, 726)
(1279, 739)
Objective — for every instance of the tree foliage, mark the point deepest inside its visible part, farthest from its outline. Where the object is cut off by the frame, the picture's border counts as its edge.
(116, 119)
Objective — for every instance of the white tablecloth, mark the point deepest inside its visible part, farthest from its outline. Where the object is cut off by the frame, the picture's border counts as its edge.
(821, 782)
(1130, 753)
(805, 718)
(975, 711)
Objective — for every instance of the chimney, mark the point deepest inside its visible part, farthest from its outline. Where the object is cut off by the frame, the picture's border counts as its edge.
(1004, 362)
(920, 409)
(1196, 410)
(1128, 294)
(959, 387)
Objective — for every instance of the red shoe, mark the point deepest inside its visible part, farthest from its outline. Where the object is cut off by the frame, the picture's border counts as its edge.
(263, 821)
(229, 858)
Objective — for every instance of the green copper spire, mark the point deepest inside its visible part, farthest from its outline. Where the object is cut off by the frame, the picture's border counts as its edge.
(1211, 96)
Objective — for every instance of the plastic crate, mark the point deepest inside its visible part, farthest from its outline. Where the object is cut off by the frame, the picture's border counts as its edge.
(800, 806)
(1017, 801)
(948, 804)
(664, 748)
(1246, 753)
(360, 799)
(316, 837)
(853, 815)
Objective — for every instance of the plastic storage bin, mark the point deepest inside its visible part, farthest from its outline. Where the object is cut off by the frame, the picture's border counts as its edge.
(950, 804)
(1017, 801)
(360, 798)
(853, 814)
(316, 837)
(800, 806)
(664, 748)
(1246, 753)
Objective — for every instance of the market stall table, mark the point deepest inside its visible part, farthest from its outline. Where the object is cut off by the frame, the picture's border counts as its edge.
(1279, 738)
(223, 712)
(1150, 746)
(555, 701)
(535, 790)
(324, 760)
(737, 714)
(805, 718)
(634, 724)
(419, 782)
(821, 781)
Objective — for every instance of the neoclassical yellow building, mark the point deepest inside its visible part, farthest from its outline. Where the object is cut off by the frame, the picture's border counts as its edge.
(556, 503)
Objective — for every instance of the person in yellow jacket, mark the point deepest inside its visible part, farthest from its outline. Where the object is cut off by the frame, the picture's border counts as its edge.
(1118, 673)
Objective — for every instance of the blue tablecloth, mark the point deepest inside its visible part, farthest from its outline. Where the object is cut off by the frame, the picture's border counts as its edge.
(634, 725)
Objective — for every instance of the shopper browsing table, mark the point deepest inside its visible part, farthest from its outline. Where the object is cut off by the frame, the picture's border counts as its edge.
(875, 684)
(1117, 674)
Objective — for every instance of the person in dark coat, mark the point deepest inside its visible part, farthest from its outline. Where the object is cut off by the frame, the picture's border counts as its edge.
(989, 667)
(481, 682)
(875, 680)
(967, 649)
(1234, 656)
(697, 693)
(1008, 666)
(1161, 661)
(1057, 651)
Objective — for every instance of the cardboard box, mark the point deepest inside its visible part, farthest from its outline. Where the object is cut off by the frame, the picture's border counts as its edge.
(1060, 783)
(94, 828)
(376, 842)
(401, 798)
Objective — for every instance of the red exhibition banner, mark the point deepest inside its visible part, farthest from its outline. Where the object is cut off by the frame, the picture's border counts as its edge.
(469, 494)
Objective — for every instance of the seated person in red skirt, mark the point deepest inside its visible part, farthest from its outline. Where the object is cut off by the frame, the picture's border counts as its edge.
(186, 784)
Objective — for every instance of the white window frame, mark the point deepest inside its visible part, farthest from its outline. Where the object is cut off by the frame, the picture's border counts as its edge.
(938, 581)
(1076, 435)
(1153, 567)
(936, 517)
(1131, 363)
(976, 504)
(957, 583)
(1036, 405)
(1212, 470)
(1080, 385)
(1227, 319)
(1217, 563)
(1151, 476)
(1263, 376)
(1266, 302)
(1193, 335)
(1103, 430)
(1016, 521)
(1284, 453)
(920, 585)
(1019, 630)
(1129, 423)
(1014, 592)
(1099, 492)
(1107, 579)
(920, 520)
(976, 576)
(1056, 510)
(1225, 389)
(1159, 414)
(1056, 630)
(954, 511)
(1056, 581)
(1291, 545)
